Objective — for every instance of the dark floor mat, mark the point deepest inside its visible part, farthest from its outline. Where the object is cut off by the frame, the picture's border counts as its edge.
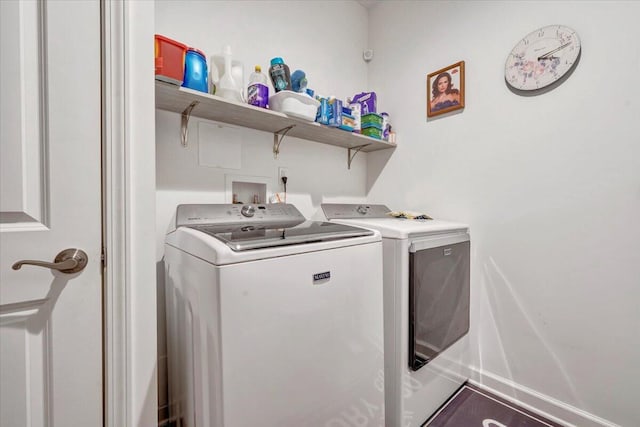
(471, 406)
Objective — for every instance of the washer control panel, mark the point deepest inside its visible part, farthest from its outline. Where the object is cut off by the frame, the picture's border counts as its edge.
(233, 214)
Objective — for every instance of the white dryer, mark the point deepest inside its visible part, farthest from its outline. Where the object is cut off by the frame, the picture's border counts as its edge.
(273, 320)
(426, 308)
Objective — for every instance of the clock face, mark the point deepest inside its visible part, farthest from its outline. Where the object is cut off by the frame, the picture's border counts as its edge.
(542, 57)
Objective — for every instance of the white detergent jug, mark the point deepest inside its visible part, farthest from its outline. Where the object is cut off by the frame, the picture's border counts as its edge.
(226, 77)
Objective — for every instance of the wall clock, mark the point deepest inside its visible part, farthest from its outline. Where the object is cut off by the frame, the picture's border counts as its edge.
(542, 57)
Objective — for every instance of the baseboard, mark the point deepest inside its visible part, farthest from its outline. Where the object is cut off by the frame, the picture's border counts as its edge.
(546, 406)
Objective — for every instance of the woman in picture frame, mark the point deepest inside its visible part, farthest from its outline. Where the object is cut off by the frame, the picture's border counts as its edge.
(443, 93)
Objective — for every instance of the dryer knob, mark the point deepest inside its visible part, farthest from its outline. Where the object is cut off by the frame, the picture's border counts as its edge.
(248, 211)
(362, 209)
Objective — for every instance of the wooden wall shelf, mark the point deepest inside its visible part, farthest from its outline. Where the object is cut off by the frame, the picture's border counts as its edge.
(180, 100)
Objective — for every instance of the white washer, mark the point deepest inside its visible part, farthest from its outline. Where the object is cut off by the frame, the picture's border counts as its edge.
(273, 320)
(426, 308)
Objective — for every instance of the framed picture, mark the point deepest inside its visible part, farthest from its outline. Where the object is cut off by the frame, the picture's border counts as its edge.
(445, 89)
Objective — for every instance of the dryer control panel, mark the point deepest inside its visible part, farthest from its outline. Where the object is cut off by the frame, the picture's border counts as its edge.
(352, 211)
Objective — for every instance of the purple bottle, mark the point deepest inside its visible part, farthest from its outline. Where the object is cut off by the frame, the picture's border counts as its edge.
(258, 90)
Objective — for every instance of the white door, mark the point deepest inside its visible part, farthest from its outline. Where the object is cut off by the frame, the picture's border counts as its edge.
(50, 200)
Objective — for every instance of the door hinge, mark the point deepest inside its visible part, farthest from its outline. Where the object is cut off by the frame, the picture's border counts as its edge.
(103, 258)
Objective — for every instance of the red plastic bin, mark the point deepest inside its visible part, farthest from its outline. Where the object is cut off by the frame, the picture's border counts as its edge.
(169, 59)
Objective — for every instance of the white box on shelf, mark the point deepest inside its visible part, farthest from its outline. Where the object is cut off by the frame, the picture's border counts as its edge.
(294, 104)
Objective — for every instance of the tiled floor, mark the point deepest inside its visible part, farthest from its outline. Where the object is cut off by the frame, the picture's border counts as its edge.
(473, 407)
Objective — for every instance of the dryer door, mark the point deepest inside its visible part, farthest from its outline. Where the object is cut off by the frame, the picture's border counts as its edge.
(438, 299)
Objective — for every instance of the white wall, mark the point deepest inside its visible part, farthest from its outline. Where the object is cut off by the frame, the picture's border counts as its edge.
(550, 185)
(258, 31)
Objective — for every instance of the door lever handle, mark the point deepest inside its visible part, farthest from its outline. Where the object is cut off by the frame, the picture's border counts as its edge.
(68, 261)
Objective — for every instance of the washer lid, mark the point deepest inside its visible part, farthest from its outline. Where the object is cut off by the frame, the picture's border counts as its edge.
(244, 227)
(242, 237)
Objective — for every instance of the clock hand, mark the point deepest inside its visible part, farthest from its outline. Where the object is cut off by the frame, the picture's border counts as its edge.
(546, 55)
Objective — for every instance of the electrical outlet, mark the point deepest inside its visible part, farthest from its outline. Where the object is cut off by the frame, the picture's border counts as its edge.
(281, 173)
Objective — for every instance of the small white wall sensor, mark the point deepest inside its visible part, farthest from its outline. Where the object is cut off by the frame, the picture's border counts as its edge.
(367, 55)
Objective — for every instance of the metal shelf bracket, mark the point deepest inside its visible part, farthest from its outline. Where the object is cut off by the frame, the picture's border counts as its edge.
(278, 136)
(184, 125)
(350, 156)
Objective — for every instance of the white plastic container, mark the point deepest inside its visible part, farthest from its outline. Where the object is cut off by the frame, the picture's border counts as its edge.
(229, 86)
(294, 104)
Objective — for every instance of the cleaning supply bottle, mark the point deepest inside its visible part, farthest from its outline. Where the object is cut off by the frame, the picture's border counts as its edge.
(299, 81)
(227, 84)
(280, 75)
(229, 89)
(258, 90)
(217, 71)
(195, 70)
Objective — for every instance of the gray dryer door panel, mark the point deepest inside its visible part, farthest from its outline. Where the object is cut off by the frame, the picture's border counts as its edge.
(438, 300)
